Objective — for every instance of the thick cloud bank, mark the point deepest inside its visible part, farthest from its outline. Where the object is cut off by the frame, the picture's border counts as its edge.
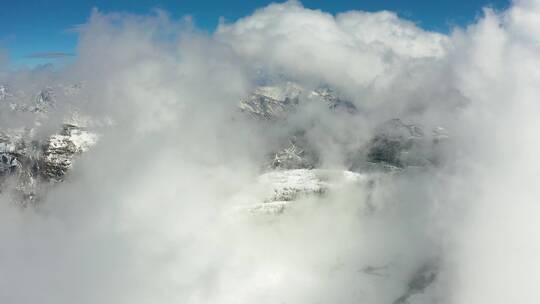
(148, 215)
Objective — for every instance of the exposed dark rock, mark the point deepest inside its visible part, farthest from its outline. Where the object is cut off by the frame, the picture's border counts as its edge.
(335, 103)
(297, 154)
(26, 163)
(391, 140)
(45, 100)
(271, 103)
(419, 282)
(277, 102)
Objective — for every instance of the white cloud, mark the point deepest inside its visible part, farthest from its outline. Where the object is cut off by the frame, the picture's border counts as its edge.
(143, 217)
(350, 49)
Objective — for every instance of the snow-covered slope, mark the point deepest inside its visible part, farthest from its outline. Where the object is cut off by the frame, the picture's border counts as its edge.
(272, 192)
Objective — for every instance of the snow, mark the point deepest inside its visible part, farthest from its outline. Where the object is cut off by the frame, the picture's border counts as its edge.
(289, 90)
(83, 139)
(274, 192)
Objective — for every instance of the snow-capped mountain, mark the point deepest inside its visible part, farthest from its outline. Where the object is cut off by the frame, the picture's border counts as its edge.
(276, 102)
(291, 177)
(29, 160)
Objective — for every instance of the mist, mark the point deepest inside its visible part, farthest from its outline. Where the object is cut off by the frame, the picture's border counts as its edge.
(150, 213)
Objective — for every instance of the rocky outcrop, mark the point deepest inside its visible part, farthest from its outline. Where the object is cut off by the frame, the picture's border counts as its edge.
(60, 149)
(396, 145)
(278, 102)
(29, 163)
(392, 141)
(45, 100)
(295, 154)
(271, 103)
(334, 102)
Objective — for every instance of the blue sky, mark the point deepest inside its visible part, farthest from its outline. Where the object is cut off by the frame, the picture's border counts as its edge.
(30, 29)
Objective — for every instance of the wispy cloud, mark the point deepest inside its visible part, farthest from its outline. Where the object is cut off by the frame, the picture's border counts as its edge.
(50, 55)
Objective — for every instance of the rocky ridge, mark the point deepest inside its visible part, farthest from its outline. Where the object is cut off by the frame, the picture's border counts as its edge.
(30, 163)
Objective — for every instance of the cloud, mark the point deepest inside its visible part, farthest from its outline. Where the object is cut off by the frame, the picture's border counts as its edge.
(50, 55)
(145, 216)
(350, 49)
